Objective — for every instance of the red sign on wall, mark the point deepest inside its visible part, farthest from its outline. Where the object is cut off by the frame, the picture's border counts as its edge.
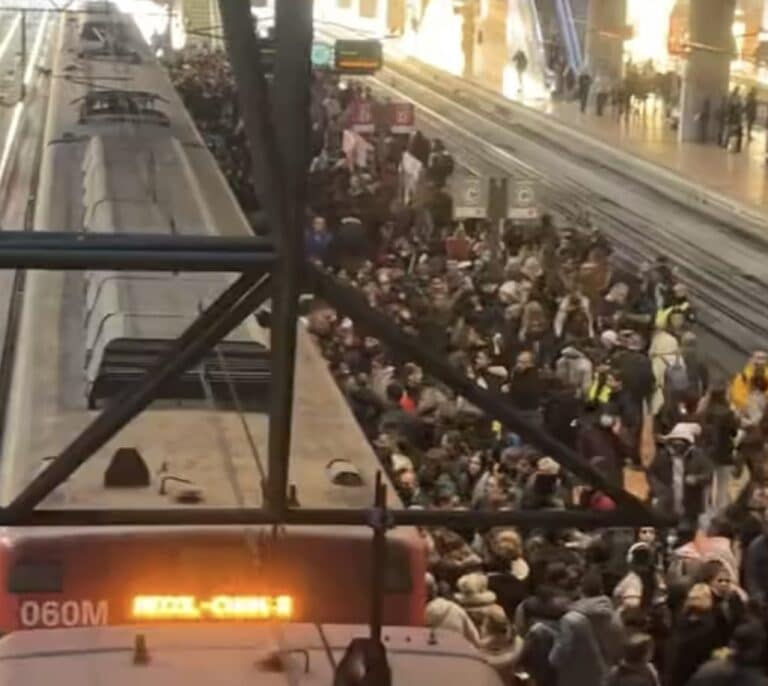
(401, 117)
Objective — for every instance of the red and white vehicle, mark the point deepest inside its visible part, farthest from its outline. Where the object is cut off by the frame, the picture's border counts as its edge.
(114, 576)
(126, 157)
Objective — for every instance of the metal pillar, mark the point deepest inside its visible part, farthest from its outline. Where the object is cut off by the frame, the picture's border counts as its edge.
(218, 320)
(245, 58)
(279, 165)
(379, 558)
(291, 104)
(606, 20)
(707, 70)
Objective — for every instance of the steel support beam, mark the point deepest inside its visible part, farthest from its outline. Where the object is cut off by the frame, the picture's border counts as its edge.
(58, 250)
(131, 241)
(218, 320)
(351, 304)
(290, 107)
(279, 167)
(529, 519)
(134, 260)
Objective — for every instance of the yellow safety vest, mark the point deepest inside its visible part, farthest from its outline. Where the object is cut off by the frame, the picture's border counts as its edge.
(599, 393)
(663, 314)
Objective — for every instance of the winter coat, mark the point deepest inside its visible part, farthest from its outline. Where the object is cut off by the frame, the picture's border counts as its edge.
(637, 374)
(575, 368)
(442, 613)
(536, 651)
(606, 626)
(755, 564)
(594, 441)
(720, 427)
(660, 477)
(632, 675)
(510, 590)
(738, 392)
(584, 643)
(698, 371)
(692, 642)
(526, 390)
(663, 352)
(728, 673)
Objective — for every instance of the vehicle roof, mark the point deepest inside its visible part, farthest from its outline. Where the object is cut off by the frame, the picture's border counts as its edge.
(47, 406)
(230, 655)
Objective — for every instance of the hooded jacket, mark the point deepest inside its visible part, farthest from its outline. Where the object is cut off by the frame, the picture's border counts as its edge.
(586, 646)
(728, 673)
(738, 392)
(442, 613)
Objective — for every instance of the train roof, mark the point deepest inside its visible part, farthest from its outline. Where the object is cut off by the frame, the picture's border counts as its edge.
(225, 654)
(124, 174)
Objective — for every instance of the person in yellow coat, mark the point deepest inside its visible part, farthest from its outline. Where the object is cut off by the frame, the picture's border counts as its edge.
(743, 384)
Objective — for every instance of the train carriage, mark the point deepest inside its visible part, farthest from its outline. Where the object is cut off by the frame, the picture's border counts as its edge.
(121, 154)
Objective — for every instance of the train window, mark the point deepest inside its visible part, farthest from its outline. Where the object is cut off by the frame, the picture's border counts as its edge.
(35, 577)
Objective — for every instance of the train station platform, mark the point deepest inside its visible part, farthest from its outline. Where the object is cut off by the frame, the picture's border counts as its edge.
(742, 176)
(712, 175)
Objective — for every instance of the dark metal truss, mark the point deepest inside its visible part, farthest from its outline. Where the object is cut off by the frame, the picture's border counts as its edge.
(279, 155)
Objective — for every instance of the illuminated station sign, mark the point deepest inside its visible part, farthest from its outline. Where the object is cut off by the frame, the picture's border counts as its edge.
(356, 57)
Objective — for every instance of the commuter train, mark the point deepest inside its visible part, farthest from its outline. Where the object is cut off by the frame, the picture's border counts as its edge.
(235, 654)
(121, 154)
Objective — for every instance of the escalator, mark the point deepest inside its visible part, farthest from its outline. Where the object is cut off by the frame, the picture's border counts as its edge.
(562, 24)
(569, 35)
(524, 28)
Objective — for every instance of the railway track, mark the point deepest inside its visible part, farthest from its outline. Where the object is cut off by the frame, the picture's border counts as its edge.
(715, 255)
(31, 133)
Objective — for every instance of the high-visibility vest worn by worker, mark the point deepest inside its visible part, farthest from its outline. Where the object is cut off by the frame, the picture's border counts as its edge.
(738, 391)
(599, 393)
(664, 313)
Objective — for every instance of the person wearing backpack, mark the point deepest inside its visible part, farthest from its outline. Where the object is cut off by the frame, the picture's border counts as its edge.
(664, 352)
(677, 381)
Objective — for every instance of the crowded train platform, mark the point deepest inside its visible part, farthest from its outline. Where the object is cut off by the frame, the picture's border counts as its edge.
(606, 359)
(637, 112)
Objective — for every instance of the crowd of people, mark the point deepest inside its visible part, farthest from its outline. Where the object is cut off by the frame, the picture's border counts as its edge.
(729, 121)
(604, 360)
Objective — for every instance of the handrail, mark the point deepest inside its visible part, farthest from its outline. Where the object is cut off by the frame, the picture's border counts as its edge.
(569, 34)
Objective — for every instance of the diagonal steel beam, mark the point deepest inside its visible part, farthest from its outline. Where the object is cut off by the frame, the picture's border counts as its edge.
(350, 303)
(216, 322)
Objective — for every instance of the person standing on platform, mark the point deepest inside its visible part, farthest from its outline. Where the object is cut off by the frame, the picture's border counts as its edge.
(750, 111)
(735, 117)
(585, 83)
(521, 64)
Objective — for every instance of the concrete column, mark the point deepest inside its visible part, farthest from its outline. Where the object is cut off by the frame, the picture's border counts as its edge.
(708, 68)
(606, 22)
